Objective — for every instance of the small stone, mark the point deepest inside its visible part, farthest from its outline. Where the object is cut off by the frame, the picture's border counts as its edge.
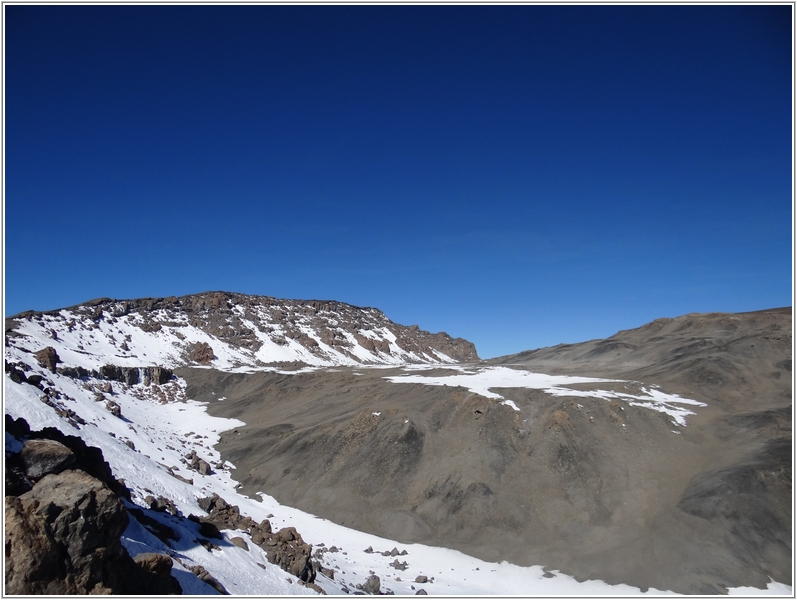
(239, 541)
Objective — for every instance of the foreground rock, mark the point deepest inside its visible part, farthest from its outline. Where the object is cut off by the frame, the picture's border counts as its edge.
(63, 529)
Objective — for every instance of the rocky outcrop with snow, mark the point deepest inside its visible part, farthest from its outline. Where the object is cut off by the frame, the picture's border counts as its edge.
(227, 331)
(64, 518)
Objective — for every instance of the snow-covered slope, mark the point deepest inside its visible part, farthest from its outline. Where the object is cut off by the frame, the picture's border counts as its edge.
(230, 331)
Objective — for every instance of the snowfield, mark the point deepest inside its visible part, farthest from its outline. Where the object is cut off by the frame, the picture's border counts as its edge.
(481, 380)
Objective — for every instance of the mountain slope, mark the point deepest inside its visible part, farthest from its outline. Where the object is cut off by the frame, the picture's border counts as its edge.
(730, 358)
(582, 476)
(641, 474)
(232, 331)
(162, 443)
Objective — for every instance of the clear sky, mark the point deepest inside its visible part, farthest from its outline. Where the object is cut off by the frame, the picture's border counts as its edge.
(519, 176)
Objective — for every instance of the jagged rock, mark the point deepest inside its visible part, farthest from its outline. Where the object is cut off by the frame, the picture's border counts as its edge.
(394, 552)
(162, 504)
(421, 592)
(199, 465)
(128, 375)
(158, 375)
(63, 537)
(399, 566)
(206, 528)
(87, 458)
(48, 358)
(327, 572)
(111, 372)
(369, 550)
(372, 586)
(74, 372)
(201, 352)
(211, 503)
(421, 579)
(150, 327)
(114, 408)
(287, 550)
(41, 457)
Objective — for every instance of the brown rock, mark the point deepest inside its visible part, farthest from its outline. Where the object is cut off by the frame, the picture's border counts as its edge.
(239, 541)
(63, 537)
(156, 574)
(47, 358)
(203, 574)
(201, 352)
(114, 408)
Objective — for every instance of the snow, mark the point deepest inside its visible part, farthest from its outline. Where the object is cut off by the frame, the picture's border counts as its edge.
(162, 433)
(482, 380)
(773, 588)
(88, 343)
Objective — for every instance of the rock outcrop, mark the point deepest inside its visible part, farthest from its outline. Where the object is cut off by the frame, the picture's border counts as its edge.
(48, 358)
(63, 523)
(284, 548)
(200, 353)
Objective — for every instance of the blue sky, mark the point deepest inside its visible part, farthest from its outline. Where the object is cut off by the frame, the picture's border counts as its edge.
(519, 176)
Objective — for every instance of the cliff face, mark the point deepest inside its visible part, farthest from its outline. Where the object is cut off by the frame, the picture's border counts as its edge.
(227, 330)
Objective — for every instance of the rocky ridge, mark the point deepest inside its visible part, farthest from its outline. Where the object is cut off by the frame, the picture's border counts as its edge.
(231, 330)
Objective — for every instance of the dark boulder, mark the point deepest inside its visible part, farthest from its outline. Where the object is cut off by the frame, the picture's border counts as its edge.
(41, 457)
(16, 374)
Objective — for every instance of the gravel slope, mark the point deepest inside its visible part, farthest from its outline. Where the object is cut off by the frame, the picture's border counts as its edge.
(595, 488)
